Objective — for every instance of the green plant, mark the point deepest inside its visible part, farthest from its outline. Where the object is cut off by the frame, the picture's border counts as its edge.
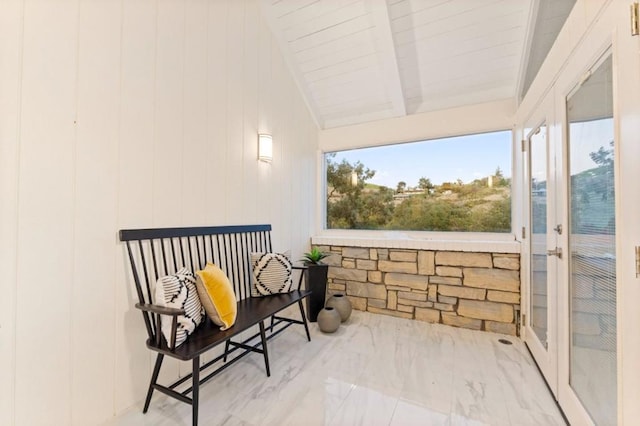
(314, 256)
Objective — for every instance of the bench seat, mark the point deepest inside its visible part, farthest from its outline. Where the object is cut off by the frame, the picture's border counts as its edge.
(208, 335)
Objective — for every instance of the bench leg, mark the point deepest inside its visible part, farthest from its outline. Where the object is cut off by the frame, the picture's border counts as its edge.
(273, 318)
(264, 348)
(304, 319)
(196, 391)
(226, 350)
(154, 378)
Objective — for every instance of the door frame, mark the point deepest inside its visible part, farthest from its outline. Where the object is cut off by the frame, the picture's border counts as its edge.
(571, 405)
(626, 106)
(546, 358)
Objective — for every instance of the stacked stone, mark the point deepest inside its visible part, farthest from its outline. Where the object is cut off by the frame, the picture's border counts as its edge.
(480, 291)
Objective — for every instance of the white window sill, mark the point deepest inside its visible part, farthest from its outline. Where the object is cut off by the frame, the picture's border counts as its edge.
(453, 241)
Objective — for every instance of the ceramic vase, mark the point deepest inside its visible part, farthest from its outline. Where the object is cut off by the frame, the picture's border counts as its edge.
(328, 320)
(342, 304)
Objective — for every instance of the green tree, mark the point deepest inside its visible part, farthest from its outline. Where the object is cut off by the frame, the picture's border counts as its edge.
(603, 174)
(339, 177)
(494, 216)
(355, 206)
(425, 184)
(500, 180)
(603, 157)
(402, 185)
(593, 195)
(377, 208)
(428, 214)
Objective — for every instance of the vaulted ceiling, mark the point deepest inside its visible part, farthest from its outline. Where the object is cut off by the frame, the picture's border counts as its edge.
(363, 60)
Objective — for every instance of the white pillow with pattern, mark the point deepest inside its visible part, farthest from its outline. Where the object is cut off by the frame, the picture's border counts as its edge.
(271, 273)
(179, 291)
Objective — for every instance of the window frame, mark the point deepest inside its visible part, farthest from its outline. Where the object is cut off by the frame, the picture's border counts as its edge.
(381, 236)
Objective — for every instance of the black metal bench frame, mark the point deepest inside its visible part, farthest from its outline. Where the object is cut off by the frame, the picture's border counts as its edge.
(154, 253)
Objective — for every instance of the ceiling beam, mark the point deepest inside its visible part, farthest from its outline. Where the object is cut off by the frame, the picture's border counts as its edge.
(525, 51)
(388, 57)
(289, 58)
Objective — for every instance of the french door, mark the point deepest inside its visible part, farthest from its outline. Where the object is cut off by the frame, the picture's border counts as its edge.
(542, 251)
(581, 285)
(589, 309)
(571, 327)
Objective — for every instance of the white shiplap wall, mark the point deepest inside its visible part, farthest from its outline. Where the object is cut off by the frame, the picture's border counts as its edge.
(120, 114)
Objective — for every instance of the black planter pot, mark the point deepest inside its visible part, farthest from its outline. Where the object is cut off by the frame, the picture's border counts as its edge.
(316, 281)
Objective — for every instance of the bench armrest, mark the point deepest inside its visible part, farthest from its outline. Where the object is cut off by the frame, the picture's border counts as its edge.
(303, 269)
(160, 309)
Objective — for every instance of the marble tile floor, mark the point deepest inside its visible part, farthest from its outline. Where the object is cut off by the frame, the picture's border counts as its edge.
(375, 370)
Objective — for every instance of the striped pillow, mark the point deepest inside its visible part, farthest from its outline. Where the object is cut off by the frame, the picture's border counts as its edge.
(179, 291)
(271, 273)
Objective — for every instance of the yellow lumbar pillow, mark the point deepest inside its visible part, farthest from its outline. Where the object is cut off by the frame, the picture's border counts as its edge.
(217, 296)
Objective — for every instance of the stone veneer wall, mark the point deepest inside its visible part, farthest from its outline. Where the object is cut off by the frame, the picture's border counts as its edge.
(480, 291)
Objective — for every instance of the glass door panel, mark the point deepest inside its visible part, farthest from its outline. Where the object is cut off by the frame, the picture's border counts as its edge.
(540, 270)
(592, 246)
(538, 190)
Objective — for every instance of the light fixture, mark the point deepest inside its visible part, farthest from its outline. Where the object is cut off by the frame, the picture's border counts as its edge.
(265, 148)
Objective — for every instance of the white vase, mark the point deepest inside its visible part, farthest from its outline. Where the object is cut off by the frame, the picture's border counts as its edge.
(342, 304)
(328, 320)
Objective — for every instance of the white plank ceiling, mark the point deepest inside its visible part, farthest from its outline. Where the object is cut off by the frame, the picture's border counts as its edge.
(363, 60)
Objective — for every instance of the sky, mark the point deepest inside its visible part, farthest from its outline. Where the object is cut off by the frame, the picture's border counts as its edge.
(441, 160)
(585, 137)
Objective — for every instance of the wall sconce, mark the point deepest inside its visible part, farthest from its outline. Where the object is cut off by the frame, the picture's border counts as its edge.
(265, 148)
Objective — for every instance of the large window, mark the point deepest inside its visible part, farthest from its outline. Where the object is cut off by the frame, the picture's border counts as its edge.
(454, 184)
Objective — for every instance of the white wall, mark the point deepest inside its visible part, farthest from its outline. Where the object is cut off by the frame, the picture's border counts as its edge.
(478, 118)
(121, 114)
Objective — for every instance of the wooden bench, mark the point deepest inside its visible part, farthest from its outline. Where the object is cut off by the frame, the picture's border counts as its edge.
(154, 253)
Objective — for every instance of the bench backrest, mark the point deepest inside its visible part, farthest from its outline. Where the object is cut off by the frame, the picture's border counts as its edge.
(154, 253)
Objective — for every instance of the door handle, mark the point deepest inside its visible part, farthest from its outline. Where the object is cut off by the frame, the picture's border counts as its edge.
(555, 252)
